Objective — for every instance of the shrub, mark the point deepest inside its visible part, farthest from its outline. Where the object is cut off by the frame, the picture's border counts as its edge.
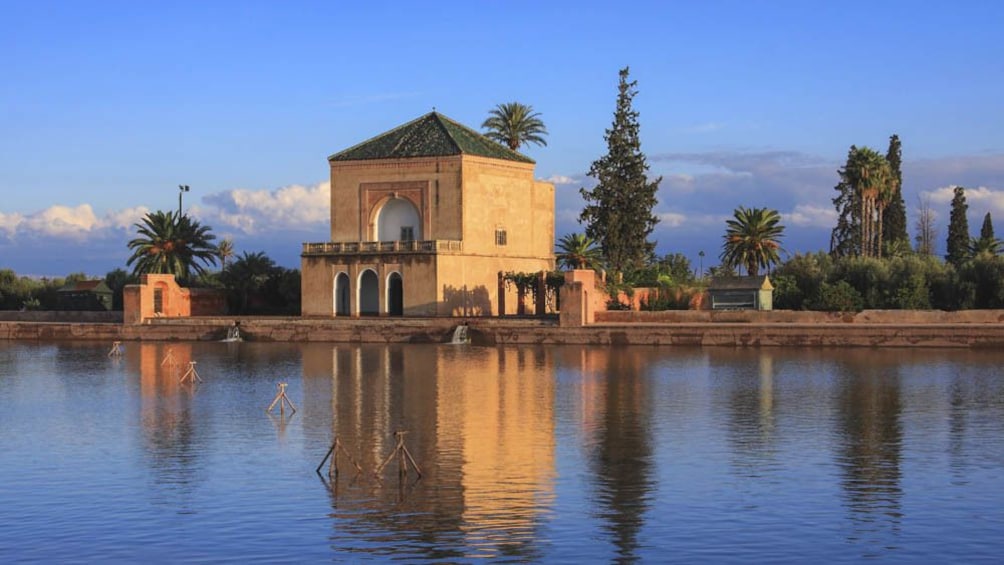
(839, 297)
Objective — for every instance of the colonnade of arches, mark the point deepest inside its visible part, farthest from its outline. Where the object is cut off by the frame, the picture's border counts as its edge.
(366, 294)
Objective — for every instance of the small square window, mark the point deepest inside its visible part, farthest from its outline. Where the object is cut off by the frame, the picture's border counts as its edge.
(407, 233)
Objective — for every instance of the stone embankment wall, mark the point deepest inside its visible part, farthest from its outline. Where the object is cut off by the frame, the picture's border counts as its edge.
(976, 329)
(76, 316)
(908, 317)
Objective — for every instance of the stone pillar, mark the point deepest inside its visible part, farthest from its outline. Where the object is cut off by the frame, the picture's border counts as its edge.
(577, 297)
(541, 298)
(501, 294)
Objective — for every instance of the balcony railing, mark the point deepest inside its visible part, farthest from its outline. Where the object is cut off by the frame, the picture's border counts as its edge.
(343, 248)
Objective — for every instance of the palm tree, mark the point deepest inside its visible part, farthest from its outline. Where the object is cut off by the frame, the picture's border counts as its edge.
(577, 251)
(985, 246)
(873, 180)
(247, 276)
(514, 124)
(224, 251)
(752, 239)
(171, 244)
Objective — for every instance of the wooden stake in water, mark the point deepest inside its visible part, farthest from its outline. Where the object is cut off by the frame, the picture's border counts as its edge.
(191, 375)
(403, 455)
(282, 400)
(116, 350)
(336, 447)
(169, 359)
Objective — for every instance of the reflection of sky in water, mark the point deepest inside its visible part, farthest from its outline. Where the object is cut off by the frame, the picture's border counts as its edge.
(528, 454)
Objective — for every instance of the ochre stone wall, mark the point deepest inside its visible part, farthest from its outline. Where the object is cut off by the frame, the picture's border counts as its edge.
(461, 199)
(139, 301)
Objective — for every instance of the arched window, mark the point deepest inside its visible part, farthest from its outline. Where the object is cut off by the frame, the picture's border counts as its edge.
(341, 295)
(369, 294)
(395, 295)
(398, 220)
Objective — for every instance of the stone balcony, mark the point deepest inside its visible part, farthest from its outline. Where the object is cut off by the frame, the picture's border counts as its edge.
(382, 247)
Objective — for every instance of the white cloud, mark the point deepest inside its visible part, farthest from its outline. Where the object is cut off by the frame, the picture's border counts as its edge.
(293, 207)
(671, 219)
(811, 215)
(980, 200)
(10, 222)
(560, 180)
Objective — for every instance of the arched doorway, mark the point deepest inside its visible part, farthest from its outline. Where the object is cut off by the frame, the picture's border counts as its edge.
(398, 220)
(395, 295)
(341, 295)
(369, 294)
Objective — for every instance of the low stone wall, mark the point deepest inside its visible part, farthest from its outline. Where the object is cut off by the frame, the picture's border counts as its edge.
(494, 331)
(801, 317)
(76, 316)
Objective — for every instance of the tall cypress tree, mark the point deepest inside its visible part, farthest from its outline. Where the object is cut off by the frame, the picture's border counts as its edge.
(958, 229)
(618, 212)
(845, 240)
(894, 216)
(987, 230)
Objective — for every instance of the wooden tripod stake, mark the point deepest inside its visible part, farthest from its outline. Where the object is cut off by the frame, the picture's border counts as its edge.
(333, 451)
(116, 350)
(168, 359)
(191, 375)
(403, 457)
(282, 400)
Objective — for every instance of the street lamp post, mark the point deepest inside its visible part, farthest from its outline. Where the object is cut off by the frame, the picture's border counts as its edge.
(701, 255)
(182, 189)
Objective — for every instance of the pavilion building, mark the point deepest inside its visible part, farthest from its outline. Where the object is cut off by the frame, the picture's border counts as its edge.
(424, 219)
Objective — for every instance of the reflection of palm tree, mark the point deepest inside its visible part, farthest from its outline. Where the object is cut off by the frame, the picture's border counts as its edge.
(514, 124)
(578, 251)
(171, 244)
(872, 441)
(752, 239)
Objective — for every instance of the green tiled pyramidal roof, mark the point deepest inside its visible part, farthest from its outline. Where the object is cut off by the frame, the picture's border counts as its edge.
(432, 135)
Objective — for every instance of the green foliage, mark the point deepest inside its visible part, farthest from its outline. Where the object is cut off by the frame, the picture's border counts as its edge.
(987, 244)
(798, 280)
(670, 297)
(958, 229)
(839, 297)
(908, 283)
(618, 212)
(866, 186)
(514, 124)
(117, 280)
(256, 285)
(983, 276)
(894, 217)
(752, 239)
(171, 244)
(869, 276)
(577, 251)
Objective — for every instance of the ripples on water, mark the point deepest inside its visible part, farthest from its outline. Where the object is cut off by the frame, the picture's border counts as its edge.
(528, 454)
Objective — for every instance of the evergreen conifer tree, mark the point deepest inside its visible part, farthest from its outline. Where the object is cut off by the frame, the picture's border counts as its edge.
(957, 247)
(987, 230)
(618, 212)
(894, 216)
(845, 240)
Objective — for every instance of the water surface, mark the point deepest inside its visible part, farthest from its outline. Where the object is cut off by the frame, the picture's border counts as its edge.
(557, 454)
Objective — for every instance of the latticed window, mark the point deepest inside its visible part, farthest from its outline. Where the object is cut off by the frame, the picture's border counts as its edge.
(500, 237)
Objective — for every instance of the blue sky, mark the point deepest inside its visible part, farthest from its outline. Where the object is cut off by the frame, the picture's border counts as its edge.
(106, 107)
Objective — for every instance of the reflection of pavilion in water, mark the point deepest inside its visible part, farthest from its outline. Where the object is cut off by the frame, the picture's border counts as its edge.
(480, 423)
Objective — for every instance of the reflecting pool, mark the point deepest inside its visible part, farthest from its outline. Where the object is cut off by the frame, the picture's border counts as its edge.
(568, 454)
